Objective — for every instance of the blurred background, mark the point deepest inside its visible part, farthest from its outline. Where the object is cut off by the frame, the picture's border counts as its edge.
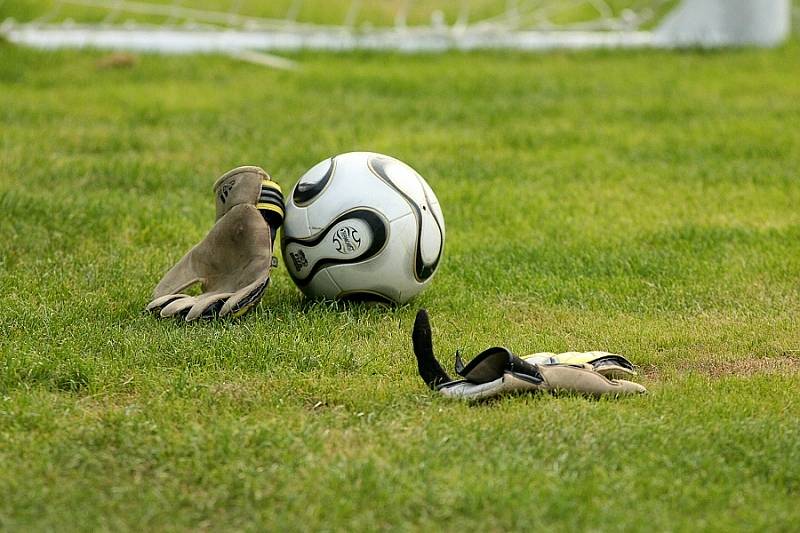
(409, 25)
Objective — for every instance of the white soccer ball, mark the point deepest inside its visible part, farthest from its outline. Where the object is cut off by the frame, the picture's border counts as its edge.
(362, 225)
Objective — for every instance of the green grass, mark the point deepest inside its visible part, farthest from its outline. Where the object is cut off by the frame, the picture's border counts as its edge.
(641, 202)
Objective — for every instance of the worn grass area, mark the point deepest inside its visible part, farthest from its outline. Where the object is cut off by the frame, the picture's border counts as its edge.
(640, 202)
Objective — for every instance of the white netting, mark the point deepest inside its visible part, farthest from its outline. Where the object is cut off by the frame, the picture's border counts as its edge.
(412, 25)
(354, 14)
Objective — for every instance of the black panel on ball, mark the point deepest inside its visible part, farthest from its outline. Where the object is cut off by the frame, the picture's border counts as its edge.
(305, 192)
(422, 271)
(377, 225)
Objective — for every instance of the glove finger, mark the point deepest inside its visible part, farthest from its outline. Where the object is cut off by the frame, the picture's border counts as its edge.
(612, 371)
(177, 307)
(207, 306)
(156, 305)
(629, 387)
(584, 381)
(245, 299)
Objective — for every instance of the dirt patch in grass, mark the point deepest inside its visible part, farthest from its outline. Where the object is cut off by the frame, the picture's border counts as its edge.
(783, 364)
(787, 363)
(117, 60)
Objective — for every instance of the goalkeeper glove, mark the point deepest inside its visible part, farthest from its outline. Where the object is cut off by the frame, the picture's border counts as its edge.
(498, 371)
(232, 263)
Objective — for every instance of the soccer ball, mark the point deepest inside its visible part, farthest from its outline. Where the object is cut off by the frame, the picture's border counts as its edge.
(362, 225)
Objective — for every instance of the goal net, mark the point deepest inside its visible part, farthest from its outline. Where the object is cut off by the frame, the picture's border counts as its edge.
(181, 26)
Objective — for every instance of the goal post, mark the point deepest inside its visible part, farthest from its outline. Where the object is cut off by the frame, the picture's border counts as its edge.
(727, 23)
(521, 25)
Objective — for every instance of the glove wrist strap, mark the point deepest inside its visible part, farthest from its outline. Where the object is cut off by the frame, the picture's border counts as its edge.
(270, 205)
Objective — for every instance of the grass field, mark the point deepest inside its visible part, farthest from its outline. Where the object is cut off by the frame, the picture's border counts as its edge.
(640, 202)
